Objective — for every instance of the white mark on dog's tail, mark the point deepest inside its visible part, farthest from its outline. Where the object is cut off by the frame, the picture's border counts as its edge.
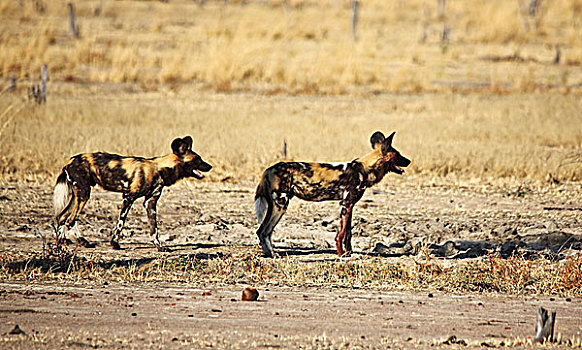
(62, 194)
(261, 208)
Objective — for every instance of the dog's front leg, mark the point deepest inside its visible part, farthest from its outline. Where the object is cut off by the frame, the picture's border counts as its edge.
(345, 232)
(150, 204)
(348, 230)
(127, 202)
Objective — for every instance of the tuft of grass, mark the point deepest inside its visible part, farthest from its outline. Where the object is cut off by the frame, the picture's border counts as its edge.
(515, 275)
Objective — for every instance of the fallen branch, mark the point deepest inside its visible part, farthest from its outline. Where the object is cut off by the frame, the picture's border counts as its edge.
(562, 208)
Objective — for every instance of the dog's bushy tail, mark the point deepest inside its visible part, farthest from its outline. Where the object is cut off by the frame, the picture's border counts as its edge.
(262, 200)
(62, 197)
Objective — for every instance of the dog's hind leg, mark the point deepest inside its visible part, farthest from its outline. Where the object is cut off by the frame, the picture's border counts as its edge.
(127, 202)
(267, 233)
(61, 234)
(150, 204)
(67, 219)
(276, 209)
(83, 194)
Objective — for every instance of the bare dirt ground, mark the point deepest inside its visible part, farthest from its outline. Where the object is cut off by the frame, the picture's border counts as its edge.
(456, 222)
(173, 316)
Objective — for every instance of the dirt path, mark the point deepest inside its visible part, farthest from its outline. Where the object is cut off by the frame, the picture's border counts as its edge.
(457, 222)
(147, 316)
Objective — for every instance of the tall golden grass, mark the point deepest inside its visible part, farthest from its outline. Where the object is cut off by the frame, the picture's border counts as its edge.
(297, 46)
(520, 136)
(487, 102)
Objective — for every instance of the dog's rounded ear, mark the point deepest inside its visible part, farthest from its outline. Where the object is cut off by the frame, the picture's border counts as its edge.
(387, 143)
(179, 147)
(188, 141)
(376, 138)
(176, 145)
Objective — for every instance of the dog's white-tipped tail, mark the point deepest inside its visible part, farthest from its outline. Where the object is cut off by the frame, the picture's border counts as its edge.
(261, 208)
(62, 195)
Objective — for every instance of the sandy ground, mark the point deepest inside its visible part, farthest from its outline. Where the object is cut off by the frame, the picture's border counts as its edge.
(458, 220)
(147, 316)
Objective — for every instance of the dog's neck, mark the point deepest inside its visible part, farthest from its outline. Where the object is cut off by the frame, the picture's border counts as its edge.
(373, 167)
(169, 171)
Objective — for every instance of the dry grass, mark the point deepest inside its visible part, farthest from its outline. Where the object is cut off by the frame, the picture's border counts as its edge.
(524, 136)
(297, 46)
(516, 275)
(133, 79)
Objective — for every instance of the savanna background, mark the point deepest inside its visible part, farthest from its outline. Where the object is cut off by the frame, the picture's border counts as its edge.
(479, 89)
(485, 97)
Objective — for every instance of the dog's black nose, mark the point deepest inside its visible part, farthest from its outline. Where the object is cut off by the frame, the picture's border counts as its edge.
(403, 162)
(206, 167)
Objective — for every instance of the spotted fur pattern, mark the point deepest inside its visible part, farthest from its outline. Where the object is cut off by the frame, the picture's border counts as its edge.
(345, 182)
(134, 177)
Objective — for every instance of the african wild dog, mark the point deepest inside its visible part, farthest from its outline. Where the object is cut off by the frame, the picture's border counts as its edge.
(134, 177)
(321, 182)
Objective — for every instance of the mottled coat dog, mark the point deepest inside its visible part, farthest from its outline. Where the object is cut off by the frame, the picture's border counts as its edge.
(134, 177)
(316, 182)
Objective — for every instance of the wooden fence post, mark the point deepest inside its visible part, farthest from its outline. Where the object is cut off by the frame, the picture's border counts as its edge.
(544, 330)
(37, 92)
(445, 36)
(43, 80)
(533, 7)
(355, 10)
(441, 8)
(284, 150)
(72, 26)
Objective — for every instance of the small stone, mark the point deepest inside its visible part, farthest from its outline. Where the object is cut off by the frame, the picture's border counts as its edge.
(250, 294)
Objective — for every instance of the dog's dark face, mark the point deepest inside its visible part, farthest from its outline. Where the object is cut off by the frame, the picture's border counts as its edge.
(392, 160)
(192, 163)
